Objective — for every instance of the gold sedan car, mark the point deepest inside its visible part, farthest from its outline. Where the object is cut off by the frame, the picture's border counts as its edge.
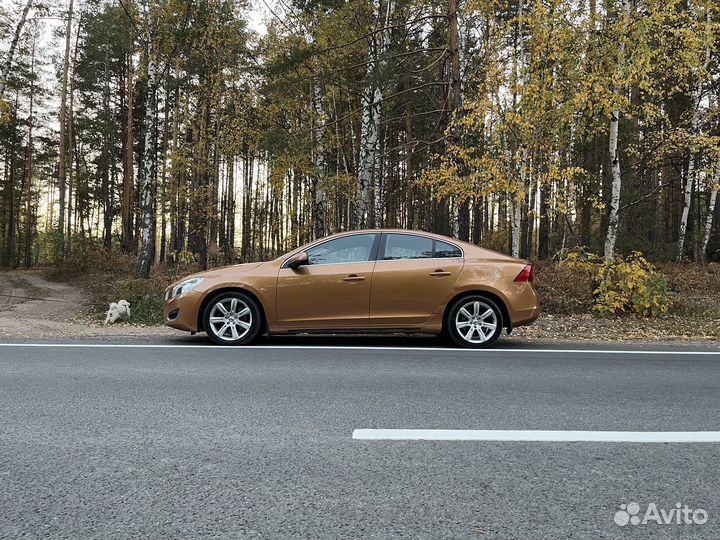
(367, 281)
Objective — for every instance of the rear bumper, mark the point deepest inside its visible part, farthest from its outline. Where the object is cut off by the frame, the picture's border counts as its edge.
(523, 304)
(528, 317)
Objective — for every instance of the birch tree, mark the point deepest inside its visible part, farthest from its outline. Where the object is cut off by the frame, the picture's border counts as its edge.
(695, 104)
(372, 96)
(128, 166)
(463, 221)
(145, 257)
(689, 184)
(709, 219)
(318, 158)
(614, 214)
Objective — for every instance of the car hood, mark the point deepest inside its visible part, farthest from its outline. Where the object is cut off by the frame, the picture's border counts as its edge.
(222, 272)
(234, 270)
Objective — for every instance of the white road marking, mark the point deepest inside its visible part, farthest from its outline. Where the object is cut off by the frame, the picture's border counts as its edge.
(350, 348)
(535, 435)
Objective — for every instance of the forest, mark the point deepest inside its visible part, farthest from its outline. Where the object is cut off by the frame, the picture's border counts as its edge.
(182, 131)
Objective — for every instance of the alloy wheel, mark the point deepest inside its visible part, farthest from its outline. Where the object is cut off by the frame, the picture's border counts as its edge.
(476, 322)
(230, 319)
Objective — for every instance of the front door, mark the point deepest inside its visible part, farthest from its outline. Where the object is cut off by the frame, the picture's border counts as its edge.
(412, 276)
(333, 291)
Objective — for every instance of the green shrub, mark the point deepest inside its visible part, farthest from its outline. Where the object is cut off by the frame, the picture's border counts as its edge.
(145, 297)
(624, 285)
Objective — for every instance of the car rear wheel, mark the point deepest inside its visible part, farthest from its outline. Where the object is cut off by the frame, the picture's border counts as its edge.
(232, 318)
(474, 322)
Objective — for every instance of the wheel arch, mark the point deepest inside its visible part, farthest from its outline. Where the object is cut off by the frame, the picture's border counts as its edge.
(217, 292)
(507, 320)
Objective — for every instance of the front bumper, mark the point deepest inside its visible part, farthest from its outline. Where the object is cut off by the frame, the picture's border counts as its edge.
(181, 312)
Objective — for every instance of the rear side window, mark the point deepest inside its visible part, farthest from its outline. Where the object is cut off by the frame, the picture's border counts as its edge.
(443, 250)
(405, 246)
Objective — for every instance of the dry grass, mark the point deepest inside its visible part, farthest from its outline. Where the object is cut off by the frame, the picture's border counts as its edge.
(109, 277)
(566, 301)
(694, 289)
(563, 290)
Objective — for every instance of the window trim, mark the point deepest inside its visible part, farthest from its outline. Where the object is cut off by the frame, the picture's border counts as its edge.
(374, 249)
(383, 245)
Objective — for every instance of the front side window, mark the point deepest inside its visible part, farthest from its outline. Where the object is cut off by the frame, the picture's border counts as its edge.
(405, 246)
(348, 249)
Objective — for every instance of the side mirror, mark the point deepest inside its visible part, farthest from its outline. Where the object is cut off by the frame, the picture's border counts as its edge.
(298, 260)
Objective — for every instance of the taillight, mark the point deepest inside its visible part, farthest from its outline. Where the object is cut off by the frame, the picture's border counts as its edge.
(527, 274)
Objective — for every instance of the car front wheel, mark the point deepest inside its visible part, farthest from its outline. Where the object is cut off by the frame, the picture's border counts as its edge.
(474, 322)
(232, 318)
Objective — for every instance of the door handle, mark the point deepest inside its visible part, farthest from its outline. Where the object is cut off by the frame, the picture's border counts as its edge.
(440, 273)
(353, 278)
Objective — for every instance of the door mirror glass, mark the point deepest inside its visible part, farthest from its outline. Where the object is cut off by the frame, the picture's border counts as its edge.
(298, 260)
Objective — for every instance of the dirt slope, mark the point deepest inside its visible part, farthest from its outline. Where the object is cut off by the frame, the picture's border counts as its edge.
(33, 307)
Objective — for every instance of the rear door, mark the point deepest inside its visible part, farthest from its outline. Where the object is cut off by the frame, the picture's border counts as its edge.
(412, 275)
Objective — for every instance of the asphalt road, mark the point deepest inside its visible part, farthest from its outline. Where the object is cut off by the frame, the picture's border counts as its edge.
(205, 442)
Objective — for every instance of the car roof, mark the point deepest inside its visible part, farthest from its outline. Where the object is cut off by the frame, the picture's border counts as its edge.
(467, 246)
(470, 250)
(402, 231)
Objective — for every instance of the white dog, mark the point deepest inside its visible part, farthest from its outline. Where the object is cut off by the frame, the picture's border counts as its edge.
(117, 311)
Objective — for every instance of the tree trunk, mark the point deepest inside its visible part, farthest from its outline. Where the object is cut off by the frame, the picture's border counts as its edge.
(128, 167)
(613, 217)
(708, 223)
(13, 46)
(409, 172)
(29, 228)
(690, 180)
(62, 148)
(229, 247)
(456, 103)
(72, 145)
(687, 201)
(543, 223)
(515, 216)
(368, 146)
(149, 164)
(477, 228)
(174, 174)
(107, 192)
(163, 175)
(318, 158)
(369, 129)
(9, 193)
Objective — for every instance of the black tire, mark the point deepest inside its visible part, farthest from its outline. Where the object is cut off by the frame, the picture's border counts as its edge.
(233, 327)
(483, 327)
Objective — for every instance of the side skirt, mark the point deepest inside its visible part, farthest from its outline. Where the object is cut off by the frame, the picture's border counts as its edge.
(343, 331)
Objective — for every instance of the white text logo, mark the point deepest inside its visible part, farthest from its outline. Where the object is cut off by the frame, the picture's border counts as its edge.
(680, 514)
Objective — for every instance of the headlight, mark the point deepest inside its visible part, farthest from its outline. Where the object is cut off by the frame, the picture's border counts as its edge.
(184, 287)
